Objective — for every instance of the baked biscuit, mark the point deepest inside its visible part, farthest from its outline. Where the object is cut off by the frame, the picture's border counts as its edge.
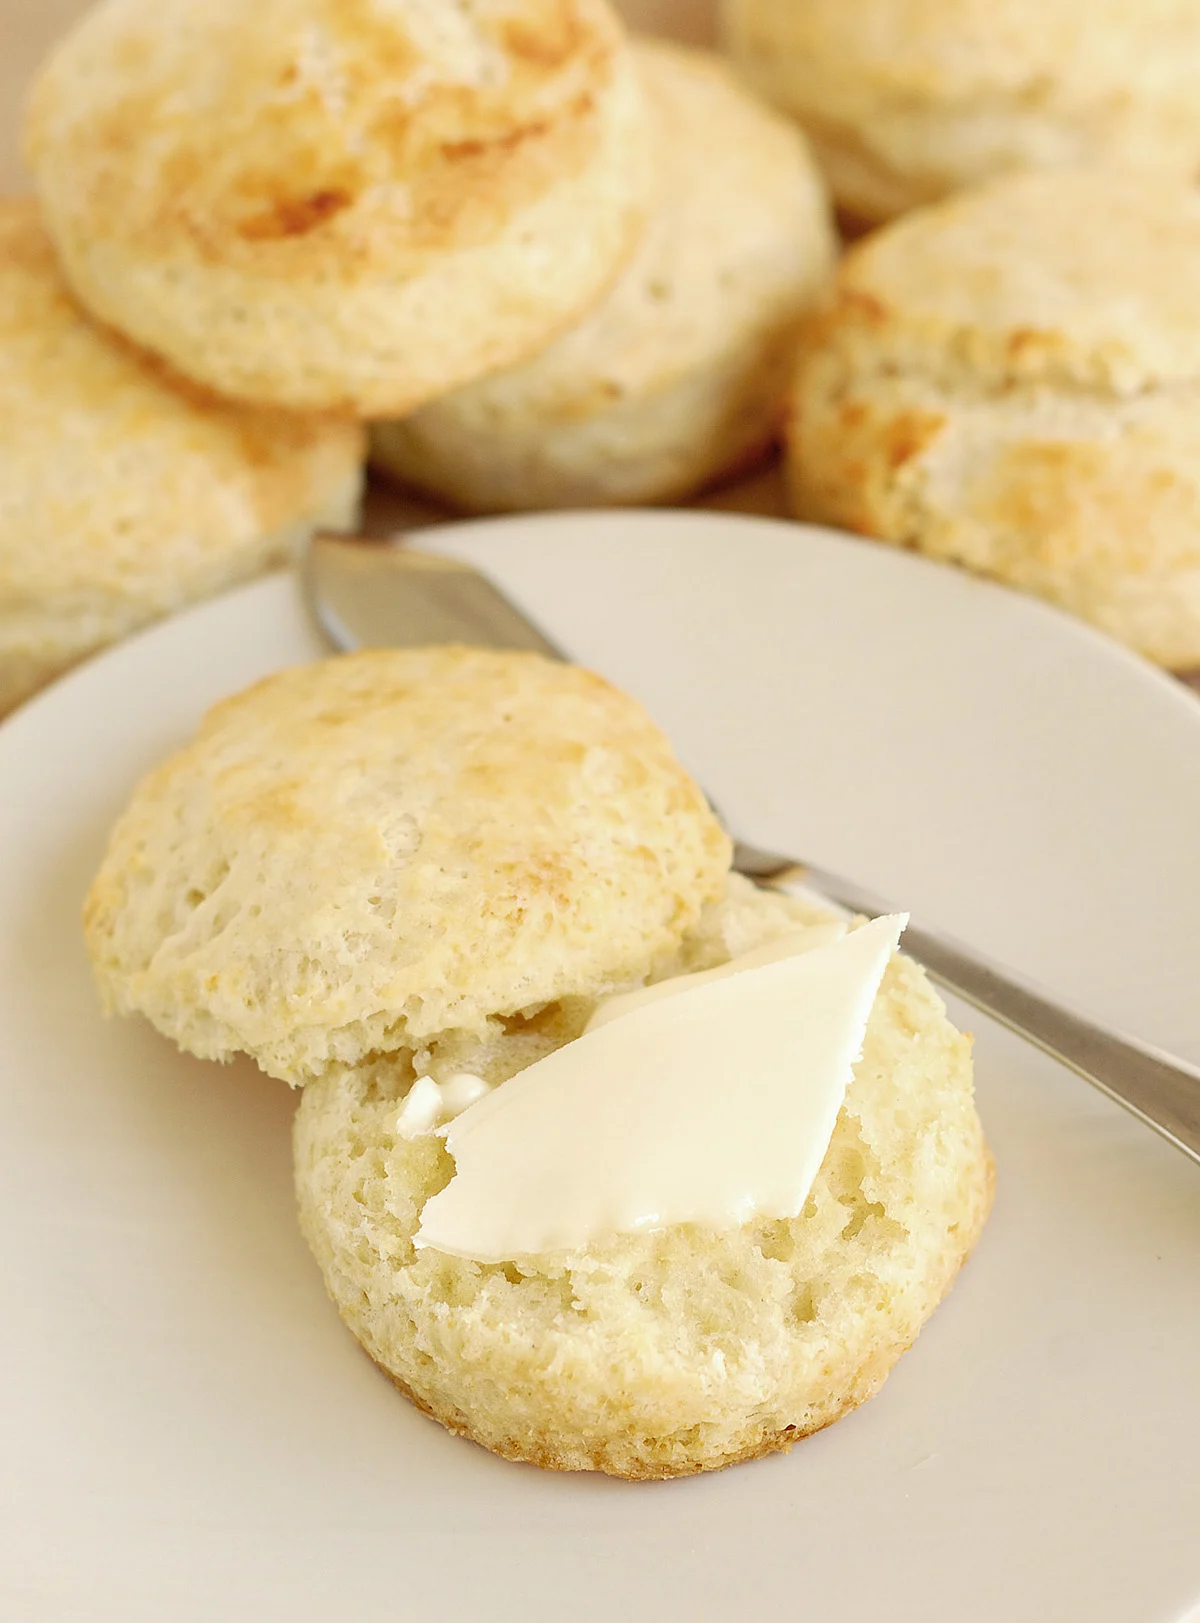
(361, 855)
(679, 375)
(340, 204)
(906, 100)
(661, 1354)
(1011, 380)
(124, 497)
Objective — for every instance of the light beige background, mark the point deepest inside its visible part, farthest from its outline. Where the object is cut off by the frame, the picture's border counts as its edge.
(28, 27)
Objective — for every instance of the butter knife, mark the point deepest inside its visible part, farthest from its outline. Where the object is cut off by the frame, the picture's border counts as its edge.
(379, 594)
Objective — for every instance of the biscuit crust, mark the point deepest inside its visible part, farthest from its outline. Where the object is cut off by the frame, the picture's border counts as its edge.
(1011, 380)
(375, 851)
(340, 204)
(679, 374)
(125, 494)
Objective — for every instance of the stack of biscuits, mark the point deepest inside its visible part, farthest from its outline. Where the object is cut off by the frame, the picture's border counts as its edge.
(525, 261)
(553, 265)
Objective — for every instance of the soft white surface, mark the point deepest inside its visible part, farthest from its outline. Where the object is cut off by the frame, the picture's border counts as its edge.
(188, 1433)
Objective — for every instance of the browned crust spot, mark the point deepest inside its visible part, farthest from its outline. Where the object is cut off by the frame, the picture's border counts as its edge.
(909, 434)
(294, 216)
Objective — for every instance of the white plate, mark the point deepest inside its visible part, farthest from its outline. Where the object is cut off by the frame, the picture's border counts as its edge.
(189, 1432)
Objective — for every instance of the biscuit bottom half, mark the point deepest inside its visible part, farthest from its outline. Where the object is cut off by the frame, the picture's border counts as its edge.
(662, 1354)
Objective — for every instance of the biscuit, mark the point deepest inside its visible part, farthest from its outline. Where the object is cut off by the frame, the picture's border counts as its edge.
(1011, 380)
(679, 375)
(661, 1354)
(348, 205)
(368, 853)
(907, 101)
(124, 497)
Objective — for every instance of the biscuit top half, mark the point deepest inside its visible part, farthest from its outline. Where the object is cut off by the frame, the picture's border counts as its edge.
(1078, 277)
(333, 136)
(360, 856)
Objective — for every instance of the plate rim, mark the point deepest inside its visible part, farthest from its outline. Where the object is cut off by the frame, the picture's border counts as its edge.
(1043, 612)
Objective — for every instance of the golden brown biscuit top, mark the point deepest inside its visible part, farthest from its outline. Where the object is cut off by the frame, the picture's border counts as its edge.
(1091, 275)
(319, 133)
(357, 855)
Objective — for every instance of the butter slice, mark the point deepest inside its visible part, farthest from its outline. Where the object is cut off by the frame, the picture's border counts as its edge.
(805, 939)
(714, 1106)
(428, 1104)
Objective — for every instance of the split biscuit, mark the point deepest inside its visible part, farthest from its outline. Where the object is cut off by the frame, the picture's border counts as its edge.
(678, 376)
(348, 205)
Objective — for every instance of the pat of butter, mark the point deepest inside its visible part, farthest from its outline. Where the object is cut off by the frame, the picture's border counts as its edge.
(714, 1106)
(428, 1104)
(805, 939)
